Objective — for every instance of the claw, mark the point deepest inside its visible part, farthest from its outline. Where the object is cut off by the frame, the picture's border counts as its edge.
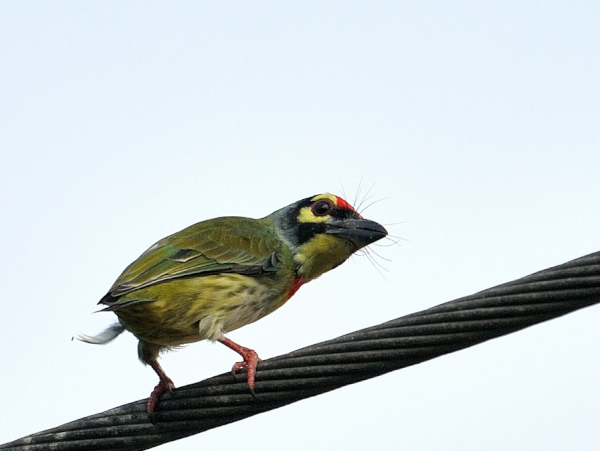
(250, 362)
(165, 385)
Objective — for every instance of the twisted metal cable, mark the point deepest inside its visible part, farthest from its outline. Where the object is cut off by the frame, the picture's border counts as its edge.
(332, 364)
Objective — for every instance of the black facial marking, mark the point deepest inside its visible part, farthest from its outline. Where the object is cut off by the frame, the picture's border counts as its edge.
(301, 232)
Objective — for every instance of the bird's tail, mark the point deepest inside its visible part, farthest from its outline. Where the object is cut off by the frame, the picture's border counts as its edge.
(106, 336)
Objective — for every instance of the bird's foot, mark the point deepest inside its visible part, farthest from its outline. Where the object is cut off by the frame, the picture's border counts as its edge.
(250, 362)
(165, 385)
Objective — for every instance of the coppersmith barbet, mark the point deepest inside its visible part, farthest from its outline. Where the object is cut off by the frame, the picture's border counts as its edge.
(221, 274)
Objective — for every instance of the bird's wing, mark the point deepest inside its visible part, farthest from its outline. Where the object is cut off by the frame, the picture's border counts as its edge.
(221, 245)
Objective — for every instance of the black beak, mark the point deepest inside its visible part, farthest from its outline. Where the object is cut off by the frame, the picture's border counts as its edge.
(361, 232)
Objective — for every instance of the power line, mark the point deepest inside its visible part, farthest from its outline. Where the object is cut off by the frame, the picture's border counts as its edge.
(333, 364)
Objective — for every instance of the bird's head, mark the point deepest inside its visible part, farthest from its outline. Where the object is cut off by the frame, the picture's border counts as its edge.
(323, 231)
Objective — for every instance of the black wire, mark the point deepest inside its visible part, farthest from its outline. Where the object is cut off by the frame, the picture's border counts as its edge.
(326, 366)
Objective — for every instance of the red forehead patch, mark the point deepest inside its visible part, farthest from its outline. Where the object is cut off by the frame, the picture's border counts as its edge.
(341, 203)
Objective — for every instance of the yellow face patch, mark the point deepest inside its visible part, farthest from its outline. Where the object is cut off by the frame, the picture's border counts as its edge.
(306, 214)
(321, 254)
(331, 197)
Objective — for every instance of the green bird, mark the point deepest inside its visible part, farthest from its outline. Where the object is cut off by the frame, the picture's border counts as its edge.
(221, 274)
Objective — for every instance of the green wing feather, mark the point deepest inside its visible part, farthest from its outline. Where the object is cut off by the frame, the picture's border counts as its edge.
(221, 245)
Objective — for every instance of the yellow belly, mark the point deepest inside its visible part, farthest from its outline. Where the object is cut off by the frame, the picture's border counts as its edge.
(187, 310)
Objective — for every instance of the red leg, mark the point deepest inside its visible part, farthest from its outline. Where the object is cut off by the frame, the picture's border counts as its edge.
(250, 357)
(165, 384)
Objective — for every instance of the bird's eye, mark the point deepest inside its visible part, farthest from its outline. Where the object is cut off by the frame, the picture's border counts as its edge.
(322, 207)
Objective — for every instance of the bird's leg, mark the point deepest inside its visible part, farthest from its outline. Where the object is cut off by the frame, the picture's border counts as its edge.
(250, 361)
(165, 384)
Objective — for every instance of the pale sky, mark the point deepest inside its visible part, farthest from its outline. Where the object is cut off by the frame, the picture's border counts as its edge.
(475, 125)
